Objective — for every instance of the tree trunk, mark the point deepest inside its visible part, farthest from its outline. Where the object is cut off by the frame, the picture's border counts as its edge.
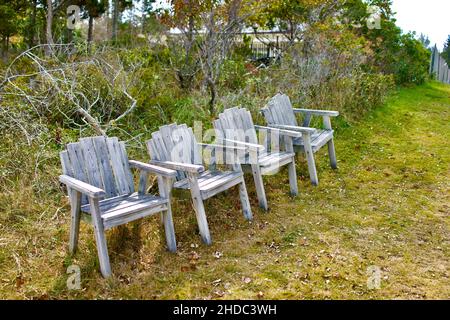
(4, 50)
(213, 93)
(69, 35)
(190, 37)
(90, 32)
(48, 29)
(115, 19)
(31, 37)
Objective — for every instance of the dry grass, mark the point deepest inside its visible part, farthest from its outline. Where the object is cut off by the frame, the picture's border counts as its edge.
(387, 206)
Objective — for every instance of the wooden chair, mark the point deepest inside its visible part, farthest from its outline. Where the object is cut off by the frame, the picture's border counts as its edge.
(175, 147)
(235, 126)
(280, 114)
(100, 185)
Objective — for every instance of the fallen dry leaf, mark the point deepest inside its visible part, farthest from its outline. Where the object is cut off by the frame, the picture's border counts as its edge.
(193, 256)
(219, 293)
(185, 268)
(246, 280)
(19, 281)
(216, 282)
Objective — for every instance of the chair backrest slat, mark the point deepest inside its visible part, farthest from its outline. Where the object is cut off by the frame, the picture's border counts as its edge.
(106, 170)
(76, 161)
(236, 124)
(279, 111)
(121, 176)
(91, 162)
(196, 153)
(249, 126)
(175, 143)
(126, 166)
(68, 169)
(160, 147)
(101, 162)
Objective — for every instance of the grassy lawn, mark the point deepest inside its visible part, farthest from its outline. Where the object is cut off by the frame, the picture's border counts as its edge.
(387, 206)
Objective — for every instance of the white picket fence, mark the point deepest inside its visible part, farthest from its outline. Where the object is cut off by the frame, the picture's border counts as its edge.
(438, 67)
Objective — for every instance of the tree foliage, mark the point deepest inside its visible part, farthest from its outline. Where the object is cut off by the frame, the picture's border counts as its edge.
(329, 46)
(446, 51)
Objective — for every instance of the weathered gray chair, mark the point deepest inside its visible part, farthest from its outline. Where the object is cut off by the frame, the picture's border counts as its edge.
(100, 185)
(175, 147)
(235, 126)
(280, 114)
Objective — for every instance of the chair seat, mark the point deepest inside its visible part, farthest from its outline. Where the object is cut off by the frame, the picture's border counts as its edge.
(213, 182)
(275, 159)
(122, 209)
(318, 139)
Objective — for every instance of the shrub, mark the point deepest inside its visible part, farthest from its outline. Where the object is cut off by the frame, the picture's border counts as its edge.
(413, 61)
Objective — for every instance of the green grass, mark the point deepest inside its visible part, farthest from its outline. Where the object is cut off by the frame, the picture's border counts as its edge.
(388, 206)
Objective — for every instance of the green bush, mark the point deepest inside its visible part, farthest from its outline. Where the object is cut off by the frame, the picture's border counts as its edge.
(233, 74)
(413, 61)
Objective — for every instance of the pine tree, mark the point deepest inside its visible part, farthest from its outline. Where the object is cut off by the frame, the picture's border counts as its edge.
(446, 51)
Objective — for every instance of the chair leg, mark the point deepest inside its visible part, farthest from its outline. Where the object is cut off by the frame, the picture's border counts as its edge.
(311, 163)
(293, 178)
(165, 190)
(259, 184)
(75, 204)
(162, 191)
(100, 238)
(332, 154)
(331, 151)
(246, 209)
(199, 209)
(169, 230)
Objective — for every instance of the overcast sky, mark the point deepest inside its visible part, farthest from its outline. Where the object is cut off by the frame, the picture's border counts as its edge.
(430, 17)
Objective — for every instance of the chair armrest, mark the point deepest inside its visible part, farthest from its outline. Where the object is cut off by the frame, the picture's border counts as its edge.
(250, 146)
(191, 168)
(293, 128)
(327, 113)
(222, 146)
(151, 168)
(288, 133)
(82, 187)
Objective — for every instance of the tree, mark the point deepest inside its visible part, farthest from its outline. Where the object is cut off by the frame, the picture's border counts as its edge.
(8, 26)
(284, 15)
(48, 28)
(53, 8)
(186, 16)
(32, 23)
(208, 29)
(12, 16)
(118, 7)
(446, 51)
(424, 40)
(92, 9)
(413, 59)
(296, 19)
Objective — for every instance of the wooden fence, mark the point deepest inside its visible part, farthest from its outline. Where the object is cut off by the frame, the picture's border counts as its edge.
(438, 67)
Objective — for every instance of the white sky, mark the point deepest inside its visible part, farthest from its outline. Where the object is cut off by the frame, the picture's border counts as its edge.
(430, 17)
